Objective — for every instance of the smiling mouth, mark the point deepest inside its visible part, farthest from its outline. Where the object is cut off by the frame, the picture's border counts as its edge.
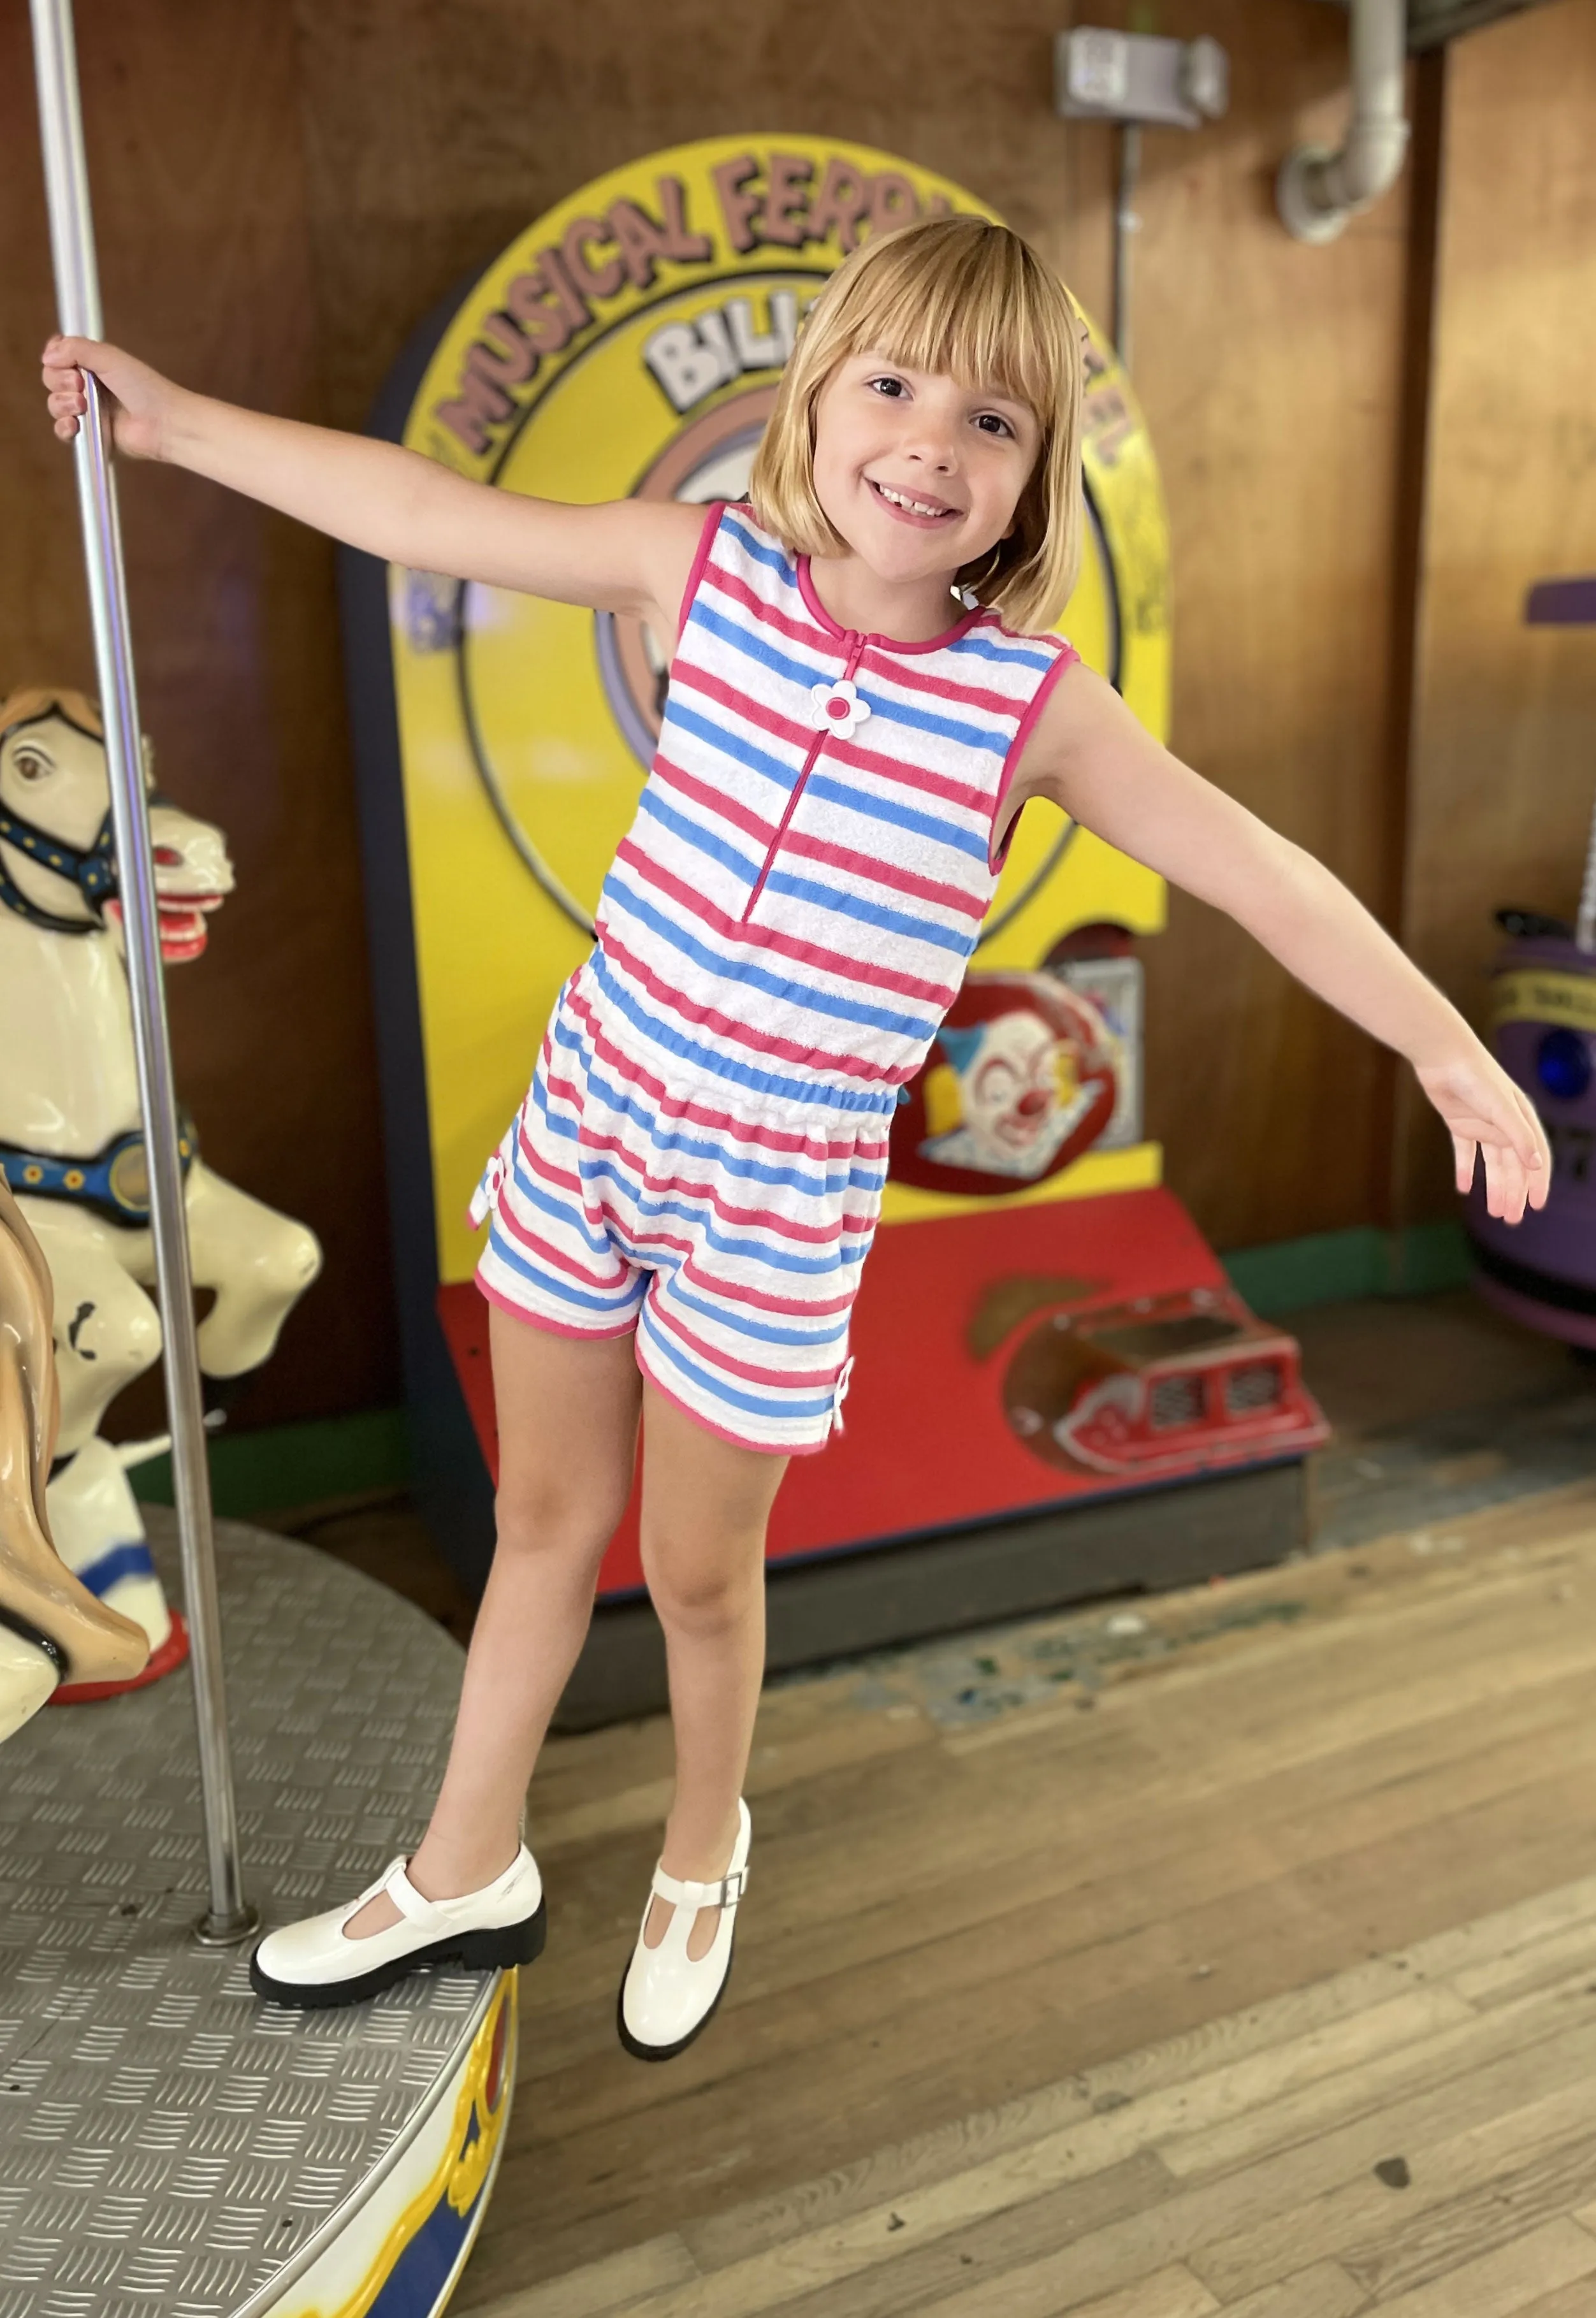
(932, 510)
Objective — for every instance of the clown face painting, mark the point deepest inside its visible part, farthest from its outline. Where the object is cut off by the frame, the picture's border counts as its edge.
(1019, 1080)
(1019, 1096)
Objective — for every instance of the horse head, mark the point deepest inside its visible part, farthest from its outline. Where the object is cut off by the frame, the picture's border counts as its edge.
(57, 864)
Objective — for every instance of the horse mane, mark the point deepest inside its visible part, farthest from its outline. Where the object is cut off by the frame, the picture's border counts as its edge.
(32, 702)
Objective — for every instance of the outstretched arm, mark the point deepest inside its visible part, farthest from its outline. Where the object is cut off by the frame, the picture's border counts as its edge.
(627, 555)
(1091, 755)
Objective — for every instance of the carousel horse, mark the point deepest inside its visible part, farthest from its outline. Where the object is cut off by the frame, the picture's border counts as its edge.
(71, 1137)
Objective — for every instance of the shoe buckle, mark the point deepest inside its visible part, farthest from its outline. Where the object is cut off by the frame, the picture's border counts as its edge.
(733, 1886)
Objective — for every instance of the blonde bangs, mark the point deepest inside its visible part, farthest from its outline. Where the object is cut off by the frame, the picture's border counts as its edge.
(968, 299)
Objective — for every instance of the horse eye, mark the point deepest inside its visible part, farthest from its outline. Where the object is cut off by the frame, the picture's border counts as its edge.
(31, 767)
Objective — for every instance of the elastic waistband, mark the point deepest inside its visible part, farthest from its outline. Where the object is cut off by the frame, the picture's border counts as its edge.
(751, 1092)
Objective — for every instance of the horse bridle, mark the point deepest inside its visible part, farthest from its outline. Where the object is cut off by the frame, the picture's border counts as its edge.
(93, 870)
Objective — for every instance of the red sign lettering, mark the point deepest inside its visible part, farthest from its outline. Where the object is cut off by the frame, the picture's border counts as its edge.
(736, 206)
(784, 216)
(686, 249)
(842, 200)
(590, 281)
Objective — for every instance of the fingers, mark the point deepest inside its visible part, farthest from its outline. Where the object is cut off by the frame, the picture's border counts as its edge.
(71, 354)
(1528, 1180)
(67, 405)
(1501, 1168)
(1540, 1148)
(1510, 1187)
(65, 360)
(65, 390)
(1539, 1161)
(1513, 1118)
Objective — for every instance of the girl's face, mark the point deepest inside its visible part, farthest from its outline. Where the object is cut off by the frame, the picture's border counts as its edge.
(919, 476)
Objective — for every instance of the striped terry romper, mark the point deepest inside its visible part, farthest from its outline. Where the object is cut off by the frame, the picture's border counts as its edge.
(700, 1156)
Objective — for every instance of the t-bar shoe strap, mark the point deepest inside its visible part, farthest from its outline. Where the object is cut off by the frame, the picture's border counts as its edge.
(726, 1893)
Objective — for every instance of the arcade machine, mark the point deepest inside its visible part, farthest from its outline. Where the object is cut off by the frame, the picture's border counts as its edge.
(1045, 1347)
(1543, 1271)
(168, 2142)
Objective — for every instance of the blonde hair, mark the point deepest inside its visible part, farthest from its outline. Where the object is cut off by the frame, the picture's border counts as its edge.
(968, 299)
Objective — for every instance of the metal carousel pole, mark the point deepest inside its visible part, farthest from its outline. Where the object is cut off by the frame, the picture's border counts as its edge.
(229, 1917)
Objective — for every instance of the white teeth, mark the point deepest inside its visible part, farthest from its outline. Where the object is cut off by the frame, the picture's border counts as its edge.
(915, 507)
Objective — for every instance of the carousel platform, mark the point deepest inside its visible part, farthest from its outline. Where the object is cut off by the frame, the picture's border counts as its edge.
(169, 2144)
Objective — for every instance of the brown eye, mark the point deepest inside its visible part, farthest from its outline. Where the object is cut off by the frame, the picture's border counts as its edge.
(30, 767)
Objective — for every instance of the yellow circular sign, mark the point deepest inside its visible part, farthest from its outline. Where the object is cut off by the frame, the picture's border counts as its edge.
(629, 344)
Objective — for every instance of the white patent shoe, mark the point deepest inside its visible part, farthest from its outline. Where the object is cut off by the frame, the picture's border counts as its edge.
(666, 1998)
(315, 1963)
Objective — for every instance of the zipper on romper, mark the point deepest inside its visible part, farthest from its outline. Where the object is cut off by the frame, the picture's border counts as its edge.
(856, 653)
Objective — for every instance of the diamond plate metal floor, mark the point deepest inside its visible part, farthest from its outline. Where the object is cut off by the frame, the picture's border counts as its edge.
(168, 2144)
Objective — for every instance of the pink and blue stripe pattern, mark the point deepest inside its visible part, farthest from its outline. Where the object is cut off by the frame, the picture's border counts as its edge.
(702, 1154)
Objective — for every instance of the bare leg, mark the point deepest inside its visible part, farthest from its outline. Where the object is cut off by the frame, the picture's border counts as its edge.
(568, 1411)
(705, 1505)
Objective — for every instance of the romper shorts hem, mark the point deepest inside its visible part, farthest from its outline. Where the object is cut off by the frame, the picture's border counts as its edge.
(531, 1317)
(729, 1246)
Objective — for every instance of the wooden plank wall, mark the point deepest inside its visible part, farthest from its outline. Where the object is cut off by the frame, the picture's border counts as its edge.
(1272, 376)
(192, 122)
(281, 195)
(1503, 766)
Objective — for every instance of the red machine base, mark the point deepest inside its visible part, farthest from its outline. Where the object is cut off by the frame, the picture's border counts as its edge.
(1006, 1361)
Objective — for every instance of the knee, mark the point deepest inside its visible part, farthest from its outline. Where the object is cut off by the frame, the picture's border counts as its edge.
(698, 1590)
(551, 1519)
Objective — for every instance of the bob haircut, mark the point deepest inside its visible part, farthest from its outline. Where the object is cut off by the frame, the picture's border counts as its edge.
(970, 300)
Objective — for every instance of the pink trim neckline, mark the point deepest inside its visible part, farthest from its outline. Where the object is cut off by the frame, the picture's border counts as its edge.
(806, 588)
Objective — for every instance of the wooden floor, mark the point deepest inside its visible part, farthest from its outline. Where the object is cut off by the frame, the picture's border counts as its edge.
(1415, 2136)
(1232, 1951)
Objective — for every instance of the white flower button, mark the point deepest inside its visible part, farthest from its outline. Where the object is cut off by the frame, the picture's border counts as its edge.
(838, 707)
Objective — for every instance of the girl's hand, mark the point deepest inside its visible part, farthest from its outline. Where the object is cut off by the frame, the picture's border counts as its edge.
(140, 401)
(1486, 1112)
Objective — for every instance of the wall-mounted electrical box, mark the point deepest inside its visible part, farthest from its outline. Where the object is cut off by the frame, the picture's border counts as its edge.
(1103, 76)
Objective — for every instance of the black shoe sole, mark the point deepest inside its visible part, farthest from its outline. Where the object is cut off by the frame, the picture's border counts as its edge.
(484, 1951)
(668, 2052)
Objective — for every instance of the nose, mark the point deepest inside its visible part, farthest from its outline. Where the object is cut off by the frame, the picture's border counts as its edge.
(933, 449)
(930, 437)
(1033, 1099)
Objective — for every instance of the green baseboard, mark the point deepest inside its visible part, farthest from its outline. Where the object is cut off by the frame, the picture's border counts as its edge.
(1334, 1267)
(285, 1466)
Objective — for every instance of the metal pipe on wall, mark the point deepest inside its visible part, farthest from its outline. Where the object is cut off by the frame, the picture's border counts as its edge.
(1317, 192)
(1125, 223)
(229, 1917)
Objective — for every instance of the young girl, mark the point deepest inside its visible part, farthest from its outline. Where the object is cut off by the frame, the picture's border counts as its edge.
(863, 695)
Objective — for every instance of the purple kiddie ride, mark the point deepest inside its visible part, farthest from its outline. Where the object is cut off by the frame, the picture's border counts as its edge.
(1543, 1271)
